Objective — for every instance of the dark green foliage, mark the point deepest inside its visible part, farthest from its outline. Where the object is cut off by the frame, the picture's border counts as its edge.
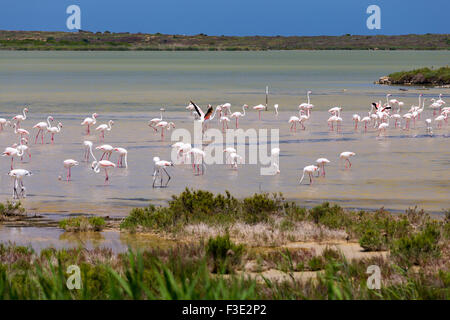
(203, 206)
(40, 40)
(417, 248)
(372, 240)
(224, 253)
(82, 223)
(425, 76)
(11, 209)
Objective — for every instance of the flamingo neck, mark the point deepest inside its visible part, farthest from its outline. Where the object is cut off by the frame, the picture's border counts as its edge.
(92, 154)
(94, 118)
(243, 109)
(24, 114)
(308, 98)
(48, 121)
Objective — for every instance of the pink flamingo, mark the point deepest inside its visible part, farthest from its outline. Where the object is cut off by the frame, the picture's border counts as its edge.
(42, 126)
(89, 122)
(20, 117)
(321, 164)
(160, 167)
(68, 164)
(102, 164)
(345, 156)
(238, 114)
(259, 108)
(20, 131)
(123, 154)
(104, 127)
(54, 130)
(12, 152)
(166, 125)
(310, 171)
(107, 150)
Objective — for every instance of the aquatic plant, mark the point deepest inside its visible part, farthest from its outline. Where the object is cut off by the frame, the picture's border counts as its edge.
(82, 223)
(11, 209)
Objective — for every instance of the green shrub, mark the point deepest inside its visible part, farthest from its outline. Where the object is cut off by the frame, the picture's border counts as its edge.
(224, 253)
(316, 263)
(372, 240)
(11, 209)
(418, 248)
(82, 223)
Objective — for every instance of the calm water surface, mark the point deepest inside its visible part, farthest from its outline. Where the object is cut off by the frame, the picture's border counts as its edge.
(406, 168)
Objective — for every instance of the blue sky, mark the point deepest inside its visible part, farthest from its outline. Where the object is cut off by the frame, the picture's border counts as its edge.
(230, 17)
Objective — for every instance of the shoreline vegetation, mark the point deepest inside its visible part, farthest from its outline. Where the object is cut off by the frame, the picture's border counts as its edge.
(107, 41)
(259, 247)
(424, 76)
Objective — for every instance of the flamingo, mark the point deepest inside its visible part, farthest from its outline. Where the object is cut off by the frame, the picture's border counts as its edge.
(177, 146)
(275, 152)
(54, 130)
(331, 120)
(104, 164)
(321, 164)
(304, 118)
(12, 152)
(20, 131)
(293, 120)
(42, 126)
(224, 120)
(87, 144)
(68, 164)
(198, 157)
(429, 128)
(439, 119)
(107, 150)
(4, 122)
(123, 154)
(345, 156)
(18, 175)
(23, 148)
(336, 111)
(235, 158)
(185, 150)
(226, 107)
(228, 151)
(407, 117)
(203, 117)
(90, 122)
(104, 127)
(166, 125)
(310, 171)
(20, 117)
(238, 114)
(259, 108)
(434, 106)
(276, 109)
(440, 101)
(306, 105)
(160, 165)
(357, 119)
(366, 120)
(155, 121)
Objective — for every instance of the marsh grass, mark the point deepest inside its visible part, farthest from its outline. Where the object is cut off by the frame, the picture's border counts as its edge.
(10, 210)
(81, 224)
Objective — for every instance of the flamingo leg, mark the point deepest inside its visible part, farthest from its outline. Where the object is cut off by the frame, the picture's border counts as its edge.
(168, 177)
(37, 135)
(106, 174)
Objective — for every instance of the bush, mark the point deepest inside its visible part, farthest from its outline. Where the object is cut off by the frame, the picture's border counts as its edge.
(372, 240)
(419, 248)
(224, 253)
(11, 209)
(82, 223)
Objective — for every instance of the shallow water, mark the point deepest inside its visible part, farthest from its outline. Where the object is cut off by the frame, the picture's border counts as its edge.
(405, 168)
